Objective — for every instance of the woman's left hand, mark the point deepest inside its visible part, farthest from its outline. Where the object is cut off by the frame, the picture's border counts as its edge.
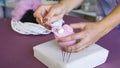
(88, 35)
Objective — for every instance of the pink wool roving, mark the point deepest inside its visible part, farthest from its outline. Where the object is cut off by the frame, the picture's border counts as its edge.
(64, 31)
(23, 6)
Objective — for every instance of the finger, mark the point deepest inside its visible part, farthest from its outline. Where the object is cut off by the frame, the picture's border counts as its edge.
(39, 21)
(54, 19)
(43, 24)
(79, 46)
(78, 25)
(40, 13)
(34, 14)
(50, 14)
(38, 16)
(48, 27)
(83, 47)
(64, 48)
(75, 36)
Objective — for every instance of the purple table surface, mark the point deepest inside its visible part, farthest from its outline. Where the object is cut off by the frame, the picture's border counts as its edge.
(16, 50)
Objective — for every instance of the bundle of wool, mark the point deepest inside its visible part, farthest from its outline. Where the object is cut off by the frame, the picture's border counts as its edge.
(23, 6)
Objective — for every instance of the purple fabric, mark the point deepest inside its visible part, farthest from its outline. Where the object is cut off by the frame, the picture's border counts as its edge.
(16, 50)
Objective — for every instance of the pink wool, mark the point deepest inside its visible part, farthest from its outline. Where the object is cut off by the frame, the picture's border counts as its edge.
(23, 6)
(67, 31)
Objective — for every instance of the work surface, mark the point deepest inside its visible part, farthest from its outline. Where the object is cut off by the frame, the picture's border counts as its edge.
(16, 51)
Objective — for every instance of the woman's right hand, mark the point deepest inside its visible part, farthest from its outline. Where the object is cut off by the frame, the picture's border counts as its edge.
(47, 14)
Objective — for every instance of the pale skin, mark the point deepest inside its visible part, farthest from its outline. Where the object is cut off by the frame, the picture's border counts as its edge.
(89, 32)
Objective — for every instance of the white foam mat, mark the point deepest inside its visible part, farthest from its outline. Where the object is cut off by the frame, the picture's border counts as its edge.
(49, 53)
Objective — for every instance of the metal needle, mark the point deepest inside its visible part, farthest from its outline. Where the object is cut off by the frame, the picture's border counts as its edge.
(66, 55)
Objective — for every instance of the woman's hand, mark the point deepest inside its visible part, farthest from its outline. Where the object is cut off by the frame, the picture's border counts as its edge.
(47, 14)
(88, 35)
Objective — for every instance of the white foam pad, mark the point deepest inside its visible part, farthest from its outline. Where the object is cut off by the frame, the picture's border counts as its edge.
(49, 53)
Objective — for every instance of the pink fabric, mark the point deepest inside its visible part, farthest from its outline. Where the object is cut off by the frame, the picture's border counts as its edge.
(67, 31)
(36, 4)
(22, 6)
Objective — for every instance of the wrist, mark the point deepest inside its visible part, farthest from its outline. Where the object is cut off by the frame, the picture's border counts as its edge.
(64, 7)
(110, 24)
(105, 27)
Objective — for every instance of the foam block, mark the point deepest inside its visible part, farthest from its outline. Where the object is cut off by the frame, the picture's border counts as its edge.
(49, 53)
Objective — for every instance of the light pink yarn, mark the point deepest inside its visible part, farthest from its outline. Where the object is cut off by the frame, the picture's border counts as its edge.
(22, 6)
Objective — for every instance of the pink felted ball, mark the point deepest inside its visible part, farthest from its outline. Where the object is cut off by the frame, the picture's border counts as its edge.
(67, 31)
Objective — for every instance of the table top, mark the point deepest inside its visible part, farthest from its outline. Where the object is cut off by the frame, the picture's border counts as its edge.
(16, 50)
